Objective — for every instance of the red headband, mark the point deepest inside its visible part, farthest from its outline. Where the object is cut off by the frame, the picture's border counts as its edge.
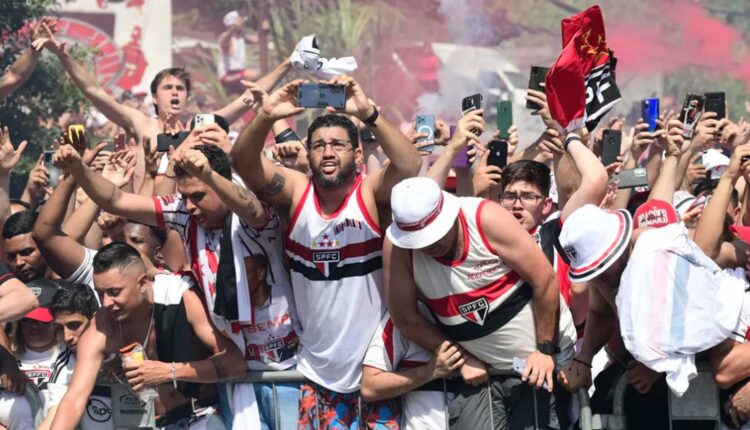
(424, 222)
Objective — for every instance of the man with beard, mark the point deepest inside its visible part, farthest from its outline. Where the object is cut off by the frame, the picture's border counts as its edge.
(334, 243)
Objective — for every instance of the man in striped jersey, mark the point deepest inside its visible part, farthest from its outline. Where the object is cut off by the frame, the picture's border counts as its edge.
(492, 291)
(333, 244)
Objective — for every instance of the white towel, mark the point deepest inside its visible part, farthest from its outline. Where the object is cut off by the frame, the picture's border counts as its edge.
(245, 308)
(306, 56)
(244, 406)
(674, 302)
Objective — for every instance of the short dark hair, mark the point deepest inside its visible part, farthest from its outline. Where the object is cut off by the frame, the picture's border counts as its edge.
(116, 255)
(19, 223)
(20, 203)
(177, 72)
(332, 120)
(217, 159)
(707, 186)
(160, 234)
(74, 298)
(529, 171)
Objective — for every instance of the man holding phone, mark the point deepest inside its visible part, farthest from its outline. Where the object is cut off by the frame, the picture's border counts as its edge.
(170, 89)
(334, 241)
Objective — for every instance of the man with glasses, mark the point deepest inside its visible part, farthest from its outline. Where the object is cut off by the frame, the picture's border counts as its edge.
(334, 244)
(525, 191)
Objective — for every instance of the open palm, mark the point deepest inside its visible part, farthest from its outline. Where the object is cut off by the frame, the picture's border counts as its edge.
(9, 157)
(282, 103)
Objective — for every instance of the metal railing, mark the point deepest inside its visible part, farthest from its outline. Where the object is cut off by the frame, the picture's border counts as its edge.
(586, 419)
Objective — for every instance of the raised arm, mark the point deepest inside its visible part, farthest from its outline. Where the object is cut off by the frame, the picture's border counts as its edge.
(106, 194)
(594, 177)
(405, 161)
(275, 184)
(238, 107)
(462, 137)
(708, 234)
(671, 142)
(128, 118)
(236, 197)
(19, 72)
(9, 158)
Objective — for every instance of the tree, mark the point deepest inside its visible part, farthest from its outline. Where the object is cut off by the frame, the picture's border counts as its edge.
(31, 112)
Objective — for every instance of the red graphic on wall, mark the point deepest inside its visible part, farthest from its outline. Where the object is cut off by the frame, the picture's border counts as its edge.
(135, 61)
(107, 61)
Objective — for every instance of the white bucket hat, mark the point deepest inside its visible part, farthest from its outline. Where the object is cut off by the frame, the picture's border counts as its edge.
(594, 239)
(422, 213)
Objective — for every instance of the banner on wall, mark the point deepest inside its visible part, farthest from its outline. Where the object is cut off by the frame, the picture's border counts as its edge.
(132, 38)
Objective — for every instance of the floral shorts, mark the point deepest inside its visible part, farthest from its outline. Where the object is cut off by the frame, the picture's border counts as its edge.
(320, 408)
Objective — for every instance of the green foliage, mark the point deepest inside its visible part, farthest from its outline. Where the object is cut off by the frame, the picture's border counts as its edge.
(699, 80)
(31, 112)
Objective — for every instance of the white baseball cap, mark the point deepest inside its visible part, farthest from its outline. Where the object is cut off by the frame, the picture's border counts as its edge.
(593, 239)
(715, 162)
(422, 213)
(230, 18)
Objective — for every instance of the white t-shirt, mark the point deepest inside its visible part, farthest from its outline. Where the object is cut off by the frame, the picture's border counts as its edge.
(16, 411)
(98, 412)
(388, 351)
(84, 274)
(271, 342)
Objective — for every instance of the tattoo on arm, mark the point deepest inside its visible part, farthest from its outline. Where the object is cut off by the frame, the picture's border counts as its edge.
(274, 187)
(252, 202)
(221, 374)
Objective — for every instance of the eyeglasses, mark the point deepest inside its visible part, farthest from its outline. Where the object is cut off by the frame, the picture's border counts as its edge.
(507, 200)
(338, 146)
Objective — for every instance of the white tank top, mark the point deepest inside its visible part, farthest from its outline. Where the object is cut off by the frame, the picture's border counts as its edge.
(336, 269)
(477, 294)
(235, 59)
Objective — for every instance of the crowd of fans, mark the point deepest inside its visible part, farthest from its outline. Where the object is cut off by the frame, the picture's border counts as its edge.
(143, 281)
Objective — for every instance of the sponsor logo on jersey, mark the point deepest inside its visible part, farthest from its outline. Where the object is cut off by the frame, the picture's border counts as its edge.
(98, 411)
(475, 311)
(326, 260)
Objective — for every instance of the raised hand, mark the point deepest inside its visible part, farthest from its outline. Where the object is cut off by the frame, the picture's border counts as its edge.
(485, 177)
(44, 37)
(540, 99)
(152, 157)
(120, 168)
(282, 103)
(357, 103)
(254, 96)
(196, 164)
(38, 179)
(9, 156)
(67, 158)
(465, 133)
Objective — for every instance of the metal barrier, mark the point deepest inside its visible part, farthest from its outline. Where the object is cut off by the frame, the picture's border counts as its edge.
(586, 419)
(701, 395)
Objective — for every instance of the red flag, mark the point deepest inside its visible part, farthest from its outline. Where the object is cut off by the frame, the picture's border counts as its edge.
(580, 86)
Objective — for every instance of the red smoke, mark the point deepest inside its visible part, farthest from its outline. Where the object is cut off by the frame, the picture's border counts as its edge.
(683, 34)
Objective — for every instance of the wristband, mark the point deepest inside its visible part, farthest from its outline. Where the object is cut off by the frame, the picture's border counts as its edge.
(286, 136)
(174, 376)
(370, 120)
(582, 362)
(570, 139)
